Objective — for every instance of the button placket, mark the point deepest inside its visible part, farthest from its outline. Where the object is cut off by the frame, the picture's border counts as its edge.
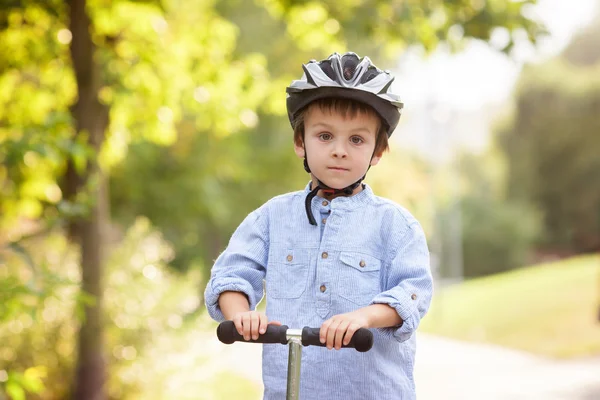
(323, 298)
(322, 284)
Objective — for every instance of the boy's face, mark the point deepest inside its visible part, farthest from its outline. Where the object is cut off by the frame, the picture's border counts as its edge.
(339, 148)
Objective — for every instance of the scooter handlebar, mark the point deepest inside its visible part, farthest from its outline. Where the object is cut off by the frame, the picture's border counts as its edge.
(362, 340)
(227, 334)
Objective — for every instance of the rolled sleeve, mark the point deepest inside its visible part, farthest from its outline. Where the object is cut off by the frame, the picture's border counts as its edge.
(409, 284)
(241, 267)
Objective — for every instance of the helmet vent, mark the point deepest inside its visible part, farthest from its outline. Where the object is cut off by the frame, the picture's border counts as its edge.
(348, 72)
(370, 74)
(349, 63)
(328, 69)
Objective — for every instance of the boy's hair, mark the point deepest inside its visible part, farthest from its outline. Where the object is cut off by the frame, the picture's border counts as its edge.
(347, 109)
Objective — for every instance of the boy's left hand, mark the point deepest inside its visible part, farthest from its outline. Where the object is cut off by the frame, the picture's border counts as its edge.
(340, 328)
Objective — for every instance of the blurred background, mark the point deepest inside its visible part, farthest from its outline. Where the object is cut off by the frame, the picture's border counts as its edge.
(135, 135)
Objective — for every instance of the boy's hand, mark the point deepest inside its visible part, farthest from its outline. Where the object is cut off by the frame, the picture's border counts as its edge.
(250, 323)
(340, 328)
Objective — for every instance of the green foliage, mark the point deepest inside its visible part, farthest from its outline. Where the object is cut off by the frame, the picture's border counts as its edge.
(36, 90)
(497, 235)
(489, 233)
(393, 25)
(552, 148)
(33, 288)
(164, 63)
(202, 188)
(149, 309)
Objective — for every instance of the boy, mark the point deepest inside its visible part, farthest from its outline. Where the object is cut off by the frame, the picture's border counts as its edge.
(362, 263)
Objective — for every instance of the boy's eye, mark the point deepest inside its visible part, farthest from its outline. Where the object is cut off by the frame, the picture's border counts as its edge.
(356, 139)
(325, 136)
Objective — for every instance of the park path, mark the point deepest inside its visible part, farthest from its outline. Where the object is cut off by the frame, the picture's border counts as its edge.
(448, 369)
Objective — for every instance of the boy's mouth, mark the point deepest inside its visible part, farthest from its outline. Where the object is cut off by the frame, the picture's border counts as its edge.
(337, 168)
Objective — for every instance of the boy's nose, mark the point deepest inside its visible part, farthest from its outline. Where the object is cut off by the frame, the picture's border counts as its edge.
(339, 152)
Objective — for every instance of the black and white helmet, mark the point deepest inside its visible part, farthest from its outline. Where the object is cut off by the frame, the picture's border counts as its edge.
(346, 76)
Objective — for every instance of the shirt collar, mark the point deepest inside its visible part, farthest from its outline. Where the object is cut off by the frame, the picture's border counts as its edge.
(353, 202)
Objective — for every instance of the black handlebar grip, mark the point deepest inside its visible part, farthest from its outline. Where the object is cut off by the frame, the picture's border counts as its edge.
(362, 340)
(227, 334)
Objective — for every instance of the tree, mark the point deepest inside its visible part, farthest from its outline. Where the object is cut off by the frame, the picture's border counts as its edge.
(123, 56)
(551, 146)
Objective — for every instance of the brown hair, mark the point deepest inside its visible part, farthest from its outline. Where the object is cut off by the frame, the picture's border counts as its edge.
(346, 108)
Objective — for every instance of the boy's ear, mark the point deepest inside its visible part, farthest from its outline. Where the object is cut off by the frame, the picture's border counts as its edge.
(376, 158)
(299, 149)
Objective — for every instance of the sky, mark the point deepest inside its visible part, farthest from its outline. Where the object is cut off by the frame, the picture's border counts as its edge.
(444, 90)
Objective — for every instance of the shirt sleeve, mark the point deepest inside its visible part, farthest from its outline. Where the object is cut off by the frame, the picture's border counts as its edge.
(409, 283)
(241, 267)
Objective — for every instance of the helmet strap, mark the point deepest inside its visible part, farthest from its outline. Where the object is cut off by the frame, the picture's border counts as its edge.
(306, 167)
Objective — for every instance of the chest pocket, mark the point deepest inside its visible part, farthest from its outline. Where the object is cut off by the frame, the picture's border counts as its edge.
(358, 279)
(287, 273)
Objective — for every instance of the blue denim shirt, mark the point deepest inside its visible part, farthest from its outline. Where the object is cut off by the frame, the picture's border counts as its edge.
(365, 250)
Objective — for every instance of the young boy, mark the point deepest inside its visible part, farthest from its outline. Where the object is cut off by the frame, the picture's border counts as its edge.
(333, 255)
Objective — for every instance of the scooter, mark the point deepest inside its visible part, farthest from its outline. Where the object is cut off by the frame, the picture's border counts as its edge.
(362, 341)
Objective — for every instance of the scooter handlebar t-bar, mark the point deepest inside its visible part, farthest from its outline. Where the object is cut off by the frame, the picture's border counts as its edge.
(362, 340)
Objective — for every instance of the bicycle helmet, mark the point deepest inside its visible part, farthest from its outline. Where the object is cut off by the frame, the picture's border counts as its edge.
(346, 76)
(343, 76)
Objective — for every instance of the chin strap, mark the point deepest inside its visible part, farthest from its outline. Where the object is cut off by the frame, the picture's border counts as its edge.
(348, 190)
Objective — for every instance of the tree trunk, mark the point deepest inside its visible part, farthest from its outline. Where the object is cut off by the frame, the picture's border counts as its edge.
(91, 120)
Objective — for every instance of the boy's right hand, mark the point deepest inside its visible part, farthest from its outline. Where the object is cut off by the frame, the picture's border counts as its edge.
(250, 323)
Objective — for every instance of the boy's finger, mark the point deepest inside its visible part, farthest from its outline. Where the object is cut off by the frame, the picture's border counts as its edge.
(263, 324)
(246, 325)
(339, 334)
(255, 322)
(331, 332)
(323, 331)
(352, 328)
(277, 323)
(237, 321)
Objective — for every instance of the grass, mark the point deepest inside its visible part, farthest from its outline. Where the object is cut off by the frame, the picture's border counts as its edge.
(548, 309)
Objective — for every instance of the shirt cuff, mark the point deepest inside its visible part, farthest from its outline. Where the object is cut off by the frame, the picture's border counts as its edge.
(214, 290)
(405, 305)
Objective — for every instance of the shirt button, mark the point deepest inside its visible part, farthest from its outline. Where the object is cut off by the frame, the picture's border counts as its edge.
(324, 255)
(290, 257)
(414, 296)
(325, 202)
(362, 263)
(323, 288)
(324, 220)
